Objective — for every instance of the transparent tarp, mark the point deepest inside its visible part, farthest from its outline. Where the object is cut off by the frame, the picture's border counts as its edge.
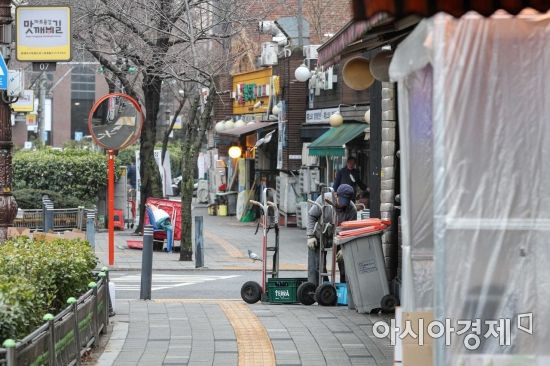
(474, 114)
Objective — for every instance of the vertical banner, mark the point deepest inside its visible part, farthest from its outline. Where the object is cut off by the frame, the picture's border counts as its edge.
(165, 171)
(281, 140)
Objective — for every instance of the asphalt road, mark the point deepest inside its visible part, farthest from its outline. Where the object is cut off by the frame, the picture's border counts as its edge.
(189, 284)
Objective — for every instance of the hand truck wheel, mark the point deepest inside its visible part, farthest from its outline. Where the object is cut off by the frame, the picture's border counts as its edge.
(251, 292)
(388, 303)
(326, 294)
(306, 293)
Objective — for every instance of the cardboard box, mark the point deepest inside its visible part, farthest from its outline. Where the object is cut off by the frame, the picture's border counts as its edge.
(413, 353)
(14, 232)
(414, 320)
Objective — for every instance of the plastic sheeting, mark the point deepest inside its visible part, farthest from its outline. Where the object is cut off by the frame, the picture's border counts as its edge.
(474, 114)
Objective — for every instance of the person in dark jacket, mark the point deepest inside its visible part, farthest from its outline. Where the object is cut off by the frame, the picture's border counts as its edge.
(345, 211)
(349, 175)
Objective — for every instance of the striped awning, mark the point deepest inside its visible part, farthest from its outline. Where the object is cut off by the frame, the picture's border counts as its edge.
(366, 9)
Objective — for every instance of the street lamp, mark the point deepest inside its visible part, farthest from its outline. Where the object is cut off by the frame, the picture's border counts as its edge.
(336, 119)
(220, 126)
(235, 152)
(302, 73)
(229, 124)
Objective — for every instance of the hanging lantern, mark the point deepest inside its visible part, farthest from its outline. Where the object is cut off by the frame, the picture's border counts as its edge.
(235, 152)
(336, 119)
(229, 124)
(220, 126)
(302, 73)
(240, 123)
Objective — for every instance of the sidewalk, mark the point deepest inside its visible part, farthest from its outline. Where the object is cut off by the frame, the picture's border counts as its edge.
(226, 244)
(226, 332)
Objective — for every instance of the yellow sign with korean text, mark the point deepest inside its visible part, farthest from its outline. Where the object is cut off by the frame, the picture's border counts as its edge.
(43, 33)
(252, 90)
(25, 103)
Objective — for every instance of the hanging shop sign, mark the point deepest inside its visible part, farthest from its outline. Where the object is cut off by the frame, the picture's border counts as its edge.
(43, 33)
(25, 103)
(319, 116)
(252, 91)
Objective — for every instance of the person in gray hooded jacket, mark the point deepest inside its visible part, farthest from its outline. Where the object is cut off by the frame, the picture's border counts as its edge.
(345, 211)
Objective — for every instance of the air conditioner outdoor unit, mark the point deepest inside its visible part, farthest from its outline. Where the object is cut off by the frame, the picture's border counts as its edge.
(310, 52)
(269, 54)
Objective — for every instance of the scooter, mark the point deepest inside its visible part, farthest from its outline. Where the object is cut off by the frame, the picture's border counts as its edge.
(325, 294)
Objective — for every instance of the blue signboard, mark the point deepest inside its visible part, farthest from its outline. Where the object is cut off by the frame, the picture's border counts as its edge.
(3, 74)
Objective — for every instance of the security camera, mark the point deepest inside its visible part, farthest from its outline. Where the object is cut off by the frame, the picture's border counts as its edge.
(258, 104)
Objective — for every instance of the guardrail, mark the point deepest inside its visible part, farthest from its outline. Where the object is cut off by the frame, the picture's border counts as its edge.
(64, 338)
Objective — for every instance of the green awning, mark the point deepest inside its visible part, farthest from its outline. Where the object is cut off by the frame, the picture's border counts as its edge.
(332, 142)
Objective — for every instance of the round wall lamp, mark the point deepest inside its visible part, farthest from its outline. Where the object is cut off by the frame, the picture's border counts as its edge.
(302, 73)
(220, 126)
(336, 119)
(235, 152)
(229, 124)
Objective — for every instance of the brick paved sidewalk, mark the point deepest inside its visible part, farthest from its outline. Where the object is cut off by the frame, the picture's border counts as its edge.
(226, 243)
(226, 332)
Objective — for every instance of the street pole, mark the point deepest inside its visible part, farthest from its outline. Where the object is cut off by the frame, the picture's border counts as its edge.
(8, 206)
(111, 204)
(42, 135)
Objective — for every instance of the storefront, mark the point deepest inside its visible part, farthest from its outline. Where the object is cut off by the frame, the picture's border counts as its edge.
(246, 140)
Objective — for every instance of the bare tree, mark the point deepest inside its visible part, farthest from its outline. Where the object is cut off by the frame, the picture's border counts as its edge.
(145, 43)
(317, 11)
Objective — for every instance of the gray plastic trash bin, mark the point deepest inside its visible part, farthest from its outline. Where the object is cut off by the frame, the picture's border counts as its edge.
(366, 272)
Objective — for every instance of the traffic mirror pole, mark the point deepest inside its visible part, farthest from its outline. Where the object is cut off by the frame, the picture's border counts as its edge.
(111, 203)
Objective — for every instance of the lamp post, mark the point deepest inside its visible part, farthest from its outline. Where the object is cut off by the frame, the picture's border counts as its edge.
(8, 206)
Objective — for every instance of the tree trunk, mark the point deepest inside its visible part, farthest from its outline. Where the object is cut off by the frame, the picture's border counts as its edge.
(188, 168)
(190, 146)
(151, 184)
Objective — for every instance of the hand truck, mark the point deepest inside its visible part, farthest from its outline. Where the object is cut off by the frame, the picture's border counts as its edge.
(252, 291)
(325, 293)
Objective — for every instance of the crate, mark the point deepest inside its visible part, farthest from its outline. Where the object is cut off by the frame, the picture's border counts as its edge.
(283, 290)
(342, 292)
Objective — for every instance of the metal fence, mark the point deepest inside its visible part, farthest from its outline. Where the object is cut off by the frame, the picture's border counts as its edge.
(32, 219)
(64, 338)
(59, 219)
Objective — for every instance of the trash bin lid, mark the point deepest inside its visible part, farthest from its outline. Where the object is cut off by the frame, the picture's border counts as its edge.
(365, 222)
(357, 233)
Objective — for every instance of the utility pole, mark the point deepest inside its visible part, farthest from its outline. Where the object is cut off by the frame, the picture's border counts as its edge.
(8, 206)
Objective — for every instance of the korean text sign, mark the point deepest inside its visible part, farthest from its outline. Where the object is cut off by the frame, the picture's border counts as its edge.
(43, 33)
